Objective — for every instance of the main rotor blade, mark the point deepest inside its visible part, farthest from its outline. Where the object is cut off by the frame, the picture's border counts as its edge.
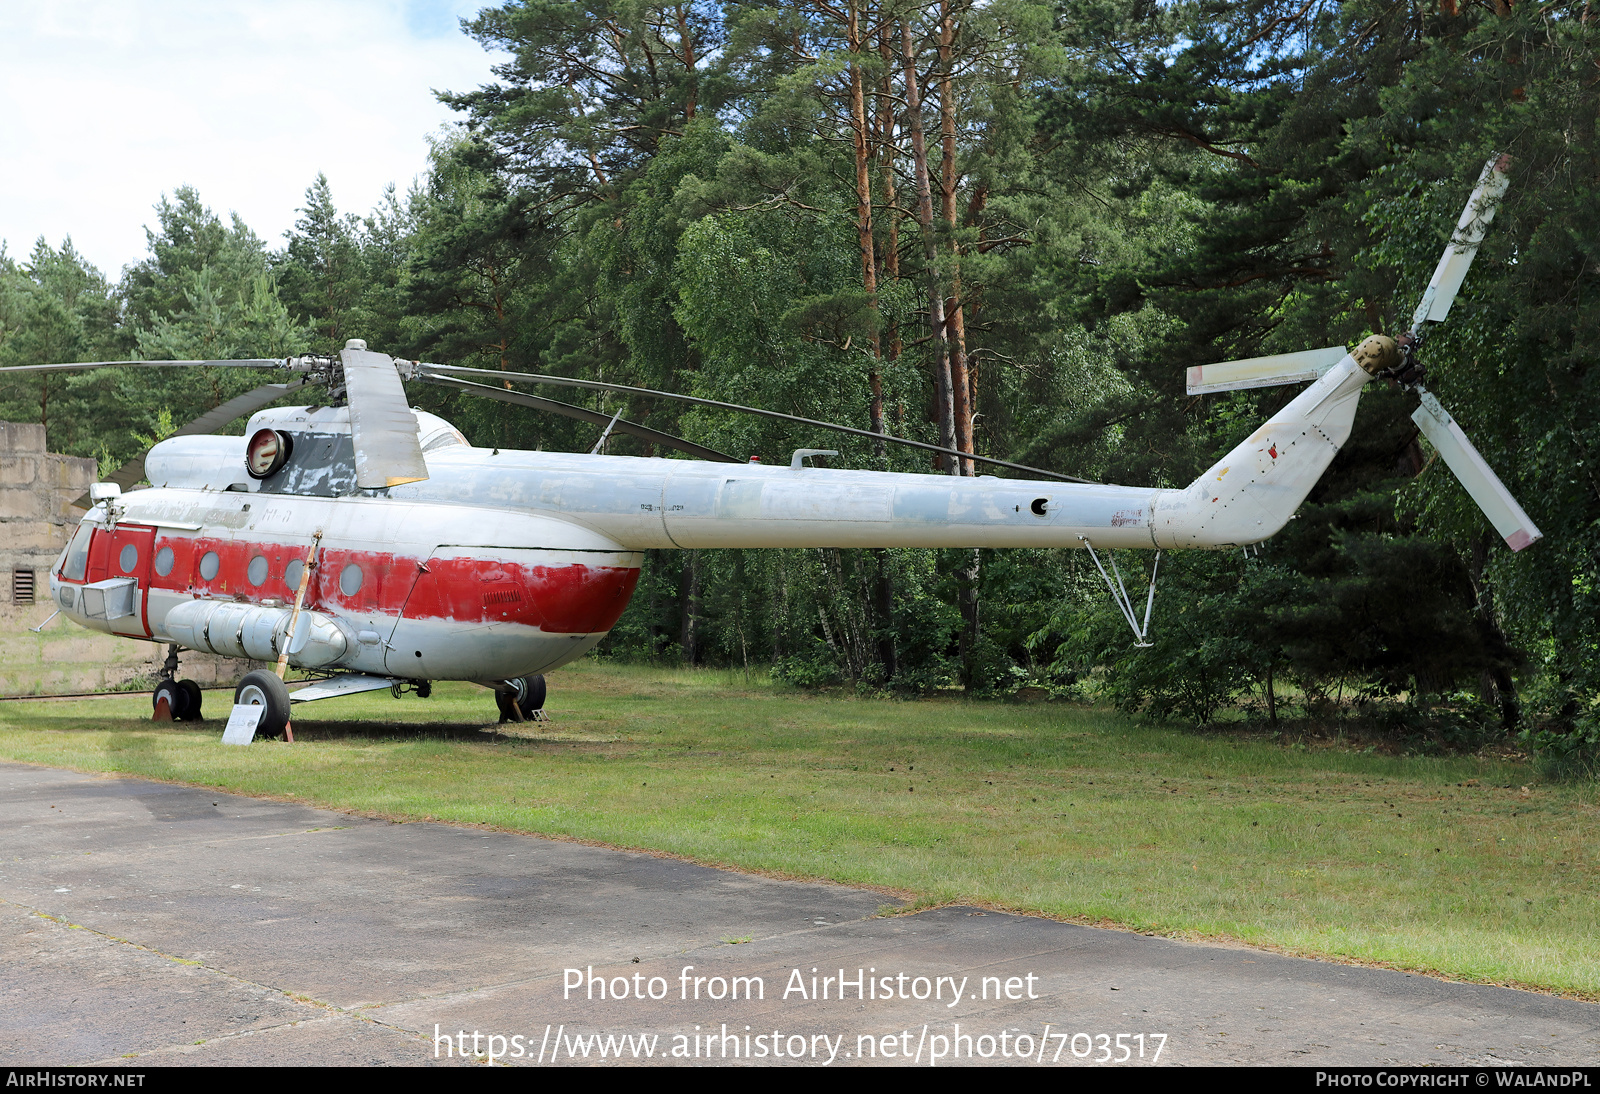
(209, 422)
(568, 411)
(596, 385)
(80, 366)
(383, 430)
(238, 407)
(1463, 245)
(1280, 368)
(1480, 481)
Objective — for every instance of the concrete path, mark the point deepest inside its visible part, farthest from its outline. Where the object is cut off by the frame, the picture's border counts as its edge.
(154, 923)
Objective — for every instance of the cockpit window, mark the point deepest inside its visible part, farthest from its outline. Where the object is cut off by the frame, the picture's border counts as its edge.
(77, 554)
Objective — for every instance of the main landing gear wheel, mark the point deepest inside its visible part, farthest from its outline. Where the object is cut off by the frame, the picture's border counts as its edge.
(264, 689)
(192, 690)
(521, 699)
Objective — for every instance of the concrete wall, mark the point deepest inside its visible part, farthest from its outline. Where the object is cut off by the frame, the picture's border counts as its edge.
(37, 489)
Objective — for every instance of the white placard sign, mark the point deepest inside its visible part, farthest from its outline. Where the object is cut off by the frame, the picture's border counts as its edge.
(242, 724)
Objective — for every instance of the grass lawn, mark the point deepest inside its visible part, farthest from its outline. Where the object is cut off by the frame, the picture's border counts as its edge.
(1446, 865)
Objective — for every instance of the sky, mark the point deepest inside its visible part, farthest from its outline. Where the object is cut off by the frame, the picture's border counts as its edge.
(107, 104)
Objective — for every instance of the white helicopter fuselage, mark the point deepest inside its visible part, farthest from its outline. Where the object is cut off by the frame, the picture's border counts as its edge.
(506, 563)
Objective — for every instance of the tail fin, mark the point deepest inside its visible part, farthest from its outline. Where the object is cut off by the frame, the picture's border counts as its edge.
(1252, 492)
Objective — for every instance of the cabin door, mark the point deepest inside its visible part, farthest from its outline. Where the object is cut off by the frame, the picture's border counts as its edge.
(126, 553)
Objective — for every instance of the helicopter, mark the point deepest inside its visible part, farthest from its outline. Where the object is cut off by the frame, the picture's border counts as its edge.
(370, 545)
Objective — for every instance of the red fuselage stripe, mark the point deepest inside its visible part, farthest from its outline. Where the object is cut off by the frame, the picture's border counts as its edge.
(573, 598)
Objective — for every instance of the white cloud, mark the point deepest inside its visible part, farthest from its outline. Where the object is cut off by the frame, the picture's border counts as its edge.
(107, 104)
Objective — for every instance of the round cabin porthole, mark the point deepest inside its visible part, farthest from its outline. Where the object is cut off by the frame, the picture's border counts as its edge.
(164, 560)
(129, 558)
(210, 564)
(257, 571)
(350, 579)
(291, 574)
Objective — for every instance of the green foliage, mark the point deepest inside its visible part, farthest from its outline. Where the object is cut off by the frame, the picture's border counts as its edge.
(1332, 148)
(1210, 641)
(340, 275)
(216, 323)
(191, 245)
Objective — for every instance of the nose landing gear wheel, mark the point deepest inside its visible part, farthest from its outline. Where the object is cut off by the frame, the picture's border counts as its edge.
(177, 700)
(521, 700)
(264, 689)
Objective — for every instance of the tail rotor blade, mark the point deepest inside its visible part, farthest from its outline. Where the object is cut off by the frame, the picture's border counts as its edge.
(1463, 245)
(1282, 368)
(1475, 475)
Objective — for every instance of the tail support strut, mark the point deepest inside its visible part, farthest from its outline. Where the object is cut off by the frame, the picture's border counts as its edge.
(1119, 593)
